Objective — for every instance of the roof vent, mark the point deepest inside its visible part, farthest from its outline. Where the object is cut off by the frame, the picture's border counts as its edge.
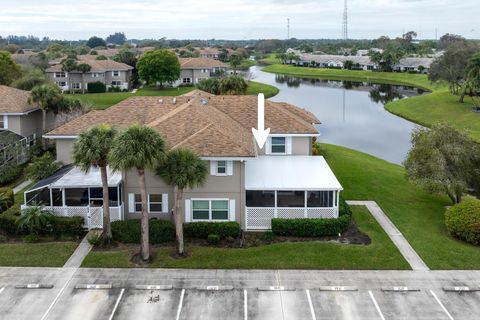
(161, 101)
(204, 101)
(174, 100)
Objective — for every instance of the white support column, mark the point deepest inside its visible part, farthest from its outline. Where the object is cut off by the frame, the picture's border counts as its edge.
(64, 205)
(305, 211)
(51, 200)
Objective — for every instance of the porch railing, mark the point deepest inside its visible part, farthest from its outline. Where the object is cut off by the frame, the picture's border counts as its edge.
(260, 218)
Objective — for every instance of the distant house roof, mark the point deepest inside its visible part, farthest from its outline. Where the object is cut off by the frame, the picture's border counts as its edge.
(200, 63)
(211, 126)
(363, 60)
(97, 65)
(14, 100)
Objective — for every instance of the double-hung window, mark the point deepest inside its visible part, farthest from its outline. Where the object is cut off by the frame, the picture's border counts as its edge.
(155, 203)
(210, 210)
(221, 167)
(116, 83)
(3, 122)
(279, 145)
(115, 73)
(59, 74)
(138, 203)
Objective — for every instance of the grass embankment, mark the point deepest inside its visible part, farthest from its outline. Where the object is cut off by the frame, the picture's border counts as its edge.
(418, 215)
(50, 254)
(270, 59)
(438, 106)
(245, 64)
(108, 99)
(381, 254)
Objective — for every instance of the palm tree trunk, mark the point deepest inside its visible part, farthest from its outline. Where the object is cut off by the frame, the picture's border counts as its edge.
(178, 217)
(145, 242)
(107, 230)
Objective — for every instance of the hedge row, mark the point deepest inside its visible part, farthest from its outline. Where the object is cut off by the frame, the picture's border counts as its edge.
(204, 229)
(129, 231)
(314, 227)
(58, 226)
(8, 198)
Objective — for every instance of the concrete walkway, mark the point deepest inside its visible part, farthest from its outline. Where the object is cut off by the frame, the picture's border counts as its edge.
(21, 186)
(76, 259)
(416, 263)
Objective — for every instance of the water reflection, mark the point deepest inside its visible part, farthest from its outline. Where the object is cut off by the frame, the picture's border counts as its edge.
(352, 113)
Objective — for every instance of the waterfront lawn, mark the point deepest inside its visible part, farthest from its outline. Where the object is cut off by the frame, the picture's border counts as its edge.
(50, 254)
(270, 59)
(418, 215)
(380, 254)
(108, 99)
(245, 64)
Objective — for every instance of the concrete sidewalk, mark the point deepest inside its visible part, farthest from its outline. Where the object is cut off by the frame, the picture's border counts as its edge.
(416, 263)
(21, 186)
(76, 259)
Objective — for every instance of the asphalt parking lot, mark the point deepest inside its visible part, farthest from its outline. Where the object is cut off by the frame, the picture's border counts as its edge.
(109, 295)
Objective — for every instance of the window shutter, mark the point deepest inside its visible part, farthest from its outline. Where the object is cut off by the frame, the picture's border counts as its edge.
(164, 202)
(131, 203)
(5, 121)
(188, 213)
(229, 168)
(268, 146)
(232, 210)
(148, 203)
(288, 145)
(213, 168)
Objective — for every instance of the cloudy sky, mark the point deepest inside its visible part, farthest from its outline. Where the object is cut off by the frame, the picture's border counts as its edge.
(237, 19)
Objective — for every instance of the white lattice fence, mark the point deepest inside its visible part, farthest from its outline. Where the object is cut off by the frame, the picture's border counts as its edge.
(322, 213)
(95, 218)
(259, 218)
(291, 213)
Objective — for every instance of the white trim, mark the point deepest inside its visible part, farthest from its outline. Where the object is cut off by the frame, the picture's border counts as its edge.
(59, 137)
(131, 203)
(165, 202)
(227, 158)
(188, 210)
(18, 113)
(213, 168)
(294, 134)
(231, 209)
(5, 122)
(229, 168)
(288, 144)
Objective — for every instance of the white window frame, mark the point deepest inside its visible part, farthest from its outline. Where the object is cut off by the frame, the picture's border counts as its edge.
(4, 122)
(115, 73)
(135, 202)
(60, 74)
(61, 84)
(210, 209)
(272, 145)
(187, 80)
(74, 85)
(149, 202)
(95, 75)
(116, 83)
(225, 167)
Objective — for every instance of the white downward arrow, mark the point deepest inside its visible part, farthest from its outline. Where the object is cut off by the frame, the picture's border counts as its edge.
(261, 134)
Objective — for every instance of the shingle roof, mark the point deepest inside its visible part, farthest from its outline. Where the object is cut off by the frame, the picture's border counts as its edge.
(14, 100)
(199, 63)
(207, 124)
(97, 65)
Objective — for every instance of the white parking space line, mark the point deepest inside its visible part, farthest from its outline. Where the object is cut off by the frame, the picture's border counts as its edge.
(376, 305)
(179, 310)
(117, 303)
(441, 305)
(245, 304)
(1, 290)
(56, 298)
(310, 304)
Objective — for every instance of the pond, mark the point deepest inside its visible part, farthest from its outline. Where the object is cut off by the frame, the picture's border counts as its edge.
(352, 113)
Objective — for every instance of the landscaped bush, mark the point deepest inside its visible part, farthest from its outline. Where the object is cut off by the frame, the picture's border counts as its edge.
(7, 198)
(203, 229)
(10, 172)
(42, 167)
(96, 87)
(213, 238)
(66, 226)
(463, 220)
(314, 227)
(7, 224)
(128, 231)
(114, 89)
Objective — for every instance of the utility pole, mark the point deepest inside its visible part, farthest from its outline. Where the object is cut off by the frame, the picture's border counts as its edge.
(345, 22)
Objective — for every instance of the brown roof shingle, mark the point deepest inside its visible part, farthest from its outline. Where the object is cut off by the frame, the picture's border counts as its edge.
(207, 124)
(97, 65)
(14, 100)
(199, 63)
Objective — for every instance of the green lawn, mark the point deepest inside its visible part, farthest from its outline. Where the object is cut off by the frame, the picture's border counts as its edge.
(108, 99)
(418, 215)
(381, 254)
(438, 106)
(245, 64)
(51, 254)
(270, 59)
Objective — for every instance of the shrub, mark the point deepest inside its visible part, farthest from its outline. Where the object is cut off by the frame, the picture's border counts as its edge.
(30, 238)
(213, 238)
(314, 227)
(95, 237)
(66, 226)
(7, 198)
(42, 167)
(203, 229)
(114, 89)
(128, 231)
(463, 220)
(34, 219)
(10, 172)
(7, 224)
(96, 87)
(267, 236)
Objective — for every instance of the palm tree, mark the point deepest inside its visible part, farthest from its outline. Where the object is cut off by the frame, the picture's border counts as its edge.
(84, 68)
(34, 218)
(181, 169)
(140, 148)
(49, 98)
(92, 148)
(235, 61)
(233, 85)
(68, 66)
(472, 81)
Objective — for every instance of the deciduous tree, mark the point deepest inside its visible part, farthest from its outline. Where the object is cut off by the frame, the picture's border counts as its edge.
(158, 66)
